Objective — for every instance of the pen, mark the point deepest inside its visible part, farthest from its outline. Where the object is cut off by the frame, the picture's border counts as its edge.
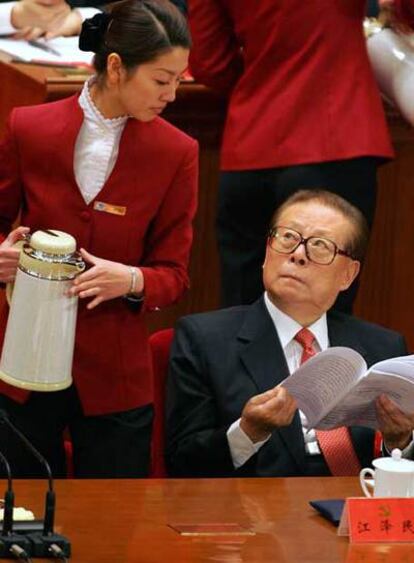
(44, 47)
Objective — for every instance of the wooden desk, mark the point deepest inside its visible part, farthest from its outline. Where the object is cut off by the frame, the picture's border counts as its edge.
(126, 521)
(386, 295)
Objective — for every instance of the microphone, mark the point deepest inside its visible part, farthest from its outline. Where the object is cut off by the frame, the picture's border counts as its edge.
(46, 543)
(10, 543)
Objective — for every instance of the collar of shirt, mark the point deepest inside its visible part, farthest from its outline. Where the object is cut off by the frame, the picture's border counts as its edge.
(92, 114)
(97, 147)
(287, 327)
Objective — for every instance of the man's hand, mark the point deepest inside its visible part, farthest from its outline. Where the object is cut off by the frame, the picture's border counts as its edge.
(263, 413)
(71, 25)
(34, 17)
(105, 280)
(396, 426)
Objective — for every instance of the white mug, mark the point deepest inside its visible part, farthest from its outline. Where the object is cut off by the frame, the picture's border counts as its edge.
(393, 477)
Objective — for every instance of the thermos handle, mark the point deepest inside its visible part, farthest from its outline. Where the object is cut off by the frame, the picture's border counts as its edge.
(10, 285)
(76, 261)
(9, 292)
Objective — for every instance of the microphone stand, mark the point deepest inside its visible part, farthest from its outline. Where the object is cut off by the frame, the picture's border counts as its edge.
(46, 543)
(11, 544)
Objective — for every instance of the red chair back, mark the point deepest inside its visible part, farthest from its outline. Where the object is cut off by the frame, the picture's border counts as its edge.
(160, 344)
(69, 456)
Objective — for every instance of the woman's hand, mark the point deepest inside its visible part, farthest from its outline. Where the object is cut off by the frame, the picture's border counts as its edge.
(105, 280)
(389, 17)
(9, 255)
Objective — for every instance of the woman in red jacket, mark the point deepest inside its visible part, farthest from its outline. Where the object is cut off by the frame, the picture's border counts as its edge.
(104, 167)
(304, 112)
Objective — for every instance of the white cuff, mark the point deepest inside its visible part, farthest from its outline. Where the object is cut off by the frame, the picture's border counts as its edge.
(86, 13)
(241, 447)
(5, 18)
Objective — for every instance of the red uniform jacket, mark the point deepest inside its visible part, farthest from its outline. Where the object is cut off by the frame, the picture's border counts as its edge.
(155, 179)
(300, 83)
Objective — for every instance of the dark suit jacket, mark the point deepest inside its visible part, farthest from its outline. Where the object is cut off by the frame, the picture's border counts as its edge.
(221, 359)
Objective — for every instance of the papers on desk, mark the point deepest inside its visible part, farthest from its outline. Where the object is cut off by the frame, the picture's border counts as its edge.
(336, 388)
(59, 51)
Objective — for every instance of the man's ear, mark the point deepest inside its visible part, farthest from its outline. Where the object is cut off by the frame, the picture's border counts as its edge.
(350, 273)
(266, 257)
(114, 68)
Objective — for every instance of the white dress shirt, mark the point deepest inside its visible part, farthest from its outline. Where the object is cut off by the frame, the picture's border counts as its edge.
(241, 447)
(96, 148)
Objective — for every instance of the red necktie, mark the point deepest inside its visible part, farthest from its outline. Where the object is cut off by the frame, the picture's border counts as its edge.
(336, 444)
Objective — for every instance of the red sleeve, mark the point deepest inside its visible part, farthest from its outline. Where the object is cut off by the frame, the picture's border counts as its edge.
(10, 179)
(216, 58)
(404, 11)
(168, 243)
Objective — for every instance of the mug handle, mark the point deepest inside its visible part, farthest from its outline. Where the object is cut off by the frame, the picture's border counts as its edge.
(365, 484)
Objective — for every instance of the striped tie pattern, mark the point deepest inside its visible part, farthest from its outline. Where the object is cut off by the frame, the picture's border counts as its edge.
(335, 445)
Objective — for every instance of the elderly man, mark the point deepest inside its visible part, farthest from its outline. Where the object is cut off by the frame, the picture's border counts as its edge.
(226, 413)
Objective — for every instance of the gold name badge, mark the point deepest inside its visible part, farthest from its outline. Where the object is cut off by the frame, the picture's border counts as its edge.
(109, 208)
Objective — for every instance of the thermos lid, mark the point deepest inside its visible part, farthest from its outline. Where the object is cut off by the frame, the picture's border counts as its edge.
(51, 255)
(53, 242)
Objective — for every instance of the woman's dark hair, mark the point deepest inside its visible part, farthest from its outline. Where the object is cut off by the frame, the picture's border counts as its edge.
(138, 30)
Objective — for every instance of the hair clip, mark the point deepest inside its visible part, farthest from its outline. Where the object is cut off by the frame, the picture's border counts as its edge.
(93, 31)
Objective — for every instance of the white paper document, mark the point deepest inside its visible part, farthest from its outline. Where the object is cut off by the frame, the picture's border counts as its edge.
(335, 387)
(61, 50)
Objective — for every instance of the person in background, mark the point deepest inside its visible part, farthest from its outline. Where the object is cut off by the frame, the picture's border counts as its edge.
(227, 415)
(304, 111)
(30, 19)
(104, 167)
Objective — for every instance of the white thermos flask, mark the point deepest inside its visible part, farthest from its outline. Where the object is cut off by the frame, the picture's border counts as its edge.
(392, 59)
(40, 335)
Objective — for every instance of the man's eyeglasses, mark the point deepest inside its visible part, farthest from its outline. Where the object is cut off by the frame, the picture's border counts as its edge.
(318, 249)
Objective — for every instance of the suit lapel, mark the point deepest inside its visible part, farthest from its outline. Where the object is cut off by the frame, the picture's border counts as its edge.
(71, 122)
(262, 353)
(262, 356)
